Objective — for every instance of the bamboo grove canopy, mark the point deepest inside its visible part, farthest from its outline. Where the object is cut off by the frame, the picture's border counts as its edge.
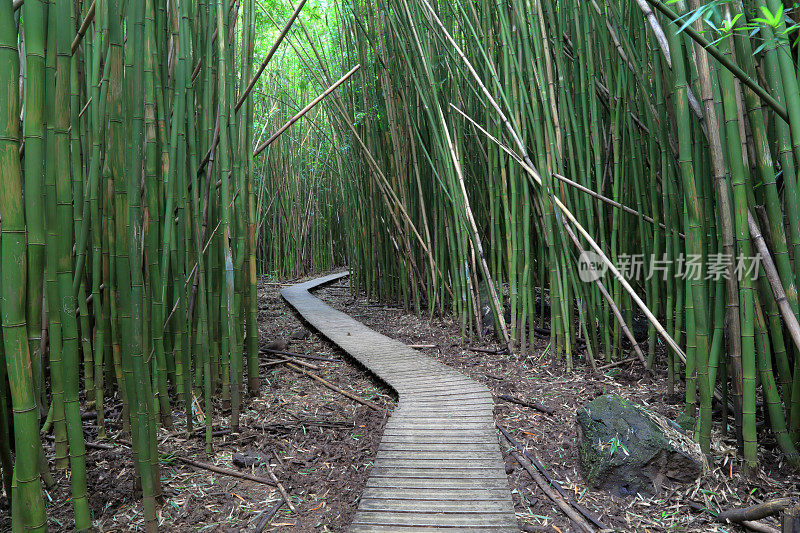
(475, 155)
(505, 145)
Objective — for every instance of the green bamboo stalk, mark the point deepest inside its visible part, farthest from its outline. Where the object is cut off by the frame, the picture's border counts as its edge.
(35, 23)
(27, 496)
(63, 219)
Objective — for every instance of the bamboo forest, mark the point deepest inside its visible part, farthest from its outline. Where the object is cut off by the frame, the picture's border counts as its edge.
(399, 266)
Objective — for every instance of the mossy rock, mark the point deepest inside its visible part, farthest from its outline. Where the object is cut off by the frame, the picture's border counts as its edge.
(626, 449)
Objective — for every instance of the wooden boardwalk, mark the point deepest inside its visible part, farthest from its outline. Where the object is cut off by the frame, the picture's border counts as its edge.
(439, 465)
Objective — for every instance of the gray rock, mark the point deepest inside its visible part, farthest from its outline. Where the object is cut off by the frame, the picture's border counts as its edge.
(626, 449)
(300, 334)
(248, 460)
(487, 312)
(278, 345)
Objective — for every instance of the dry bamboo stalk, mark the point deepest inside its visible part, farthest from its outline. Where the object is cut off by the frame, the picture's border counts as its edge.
(756, 512)
(190, 462)
(498, 308)
(774, 280)
(639, 302)
(269, 55)
(84, 26)
(281, 488)
(573, 515)
(611, 304)
(305, 110)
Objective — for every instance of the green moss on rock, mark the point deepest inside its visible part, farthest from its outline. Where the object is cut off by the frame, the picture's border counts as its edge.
(626, 449)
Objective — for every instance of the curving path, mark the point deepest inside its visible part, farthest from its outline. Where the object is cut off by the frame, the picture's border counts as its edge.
(439, 464)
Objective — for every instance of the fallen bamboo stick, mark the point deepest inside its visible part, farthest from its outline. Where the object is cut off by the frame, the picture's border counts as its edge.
(722, 58)
(264, 522)
(335, 388)
(752, 525)
(755, 512)
(251, 84)
(269, 55)
(607, 200)
(759, 527)
(553, 495)
(84, 26)
(532, 405)
(300, 355)
(617, 363)
(774, 281)
(289, 360)
(550, 481)
(191, 462)
(528, 166)
(614, 309)
(496, 351)
(281, 489)
(225, 471)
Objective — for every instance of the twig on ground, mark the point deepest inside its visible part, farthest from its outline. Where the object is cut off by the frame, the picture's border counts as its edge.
(755, 512)
(550, 481)
(617, 363)
(100, 446)
(532, 405)
(334, 387)
(289, 360)
(267, 518)
(493, 351)
(752, 525)
(300, 355)
(553, 495)
(281, 489)
(191, 462)
(288, 426)
(759, 527)
(224, 471)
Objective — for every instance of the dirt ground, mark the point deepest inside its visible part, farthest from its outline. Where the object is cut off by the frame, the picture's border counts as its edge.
(320, 444)
(552, 437)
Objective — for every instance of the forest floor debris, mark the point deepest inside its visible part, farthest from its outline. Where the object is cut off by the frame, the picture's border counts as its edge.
(553, 436)
(320, 444)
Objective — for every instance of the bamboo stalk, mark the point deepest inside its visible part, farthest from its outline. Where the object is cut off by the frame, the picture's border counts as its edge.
(305, 110)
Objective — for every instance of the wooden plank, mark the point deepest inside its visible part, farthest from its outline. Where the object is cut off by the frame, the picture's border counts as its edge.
(437, 455)
(467, 467)
(433, 446)
(479, 473)
(447, 388)
(440, 415)
(433, 519)
(435, 506)
(418, 388)
(442, 494)
(450, 484)
(423, 431)
(437, 422)
(414, 428)
(446, 410)
(454, 394)
(451, 406)
(447, 374)
(356, 528)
